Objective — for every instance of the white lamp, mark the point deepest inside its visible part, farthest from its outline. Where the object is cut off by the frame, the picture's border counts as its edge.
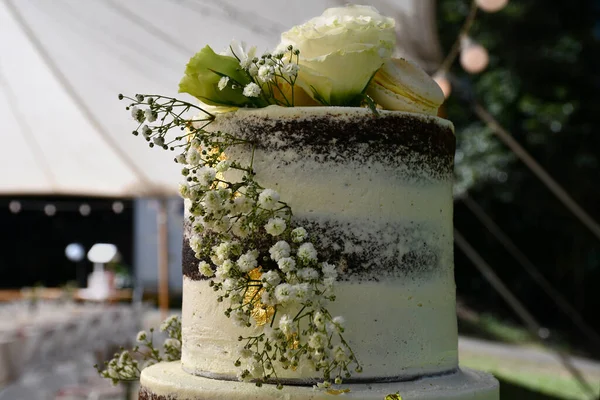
(98, 282)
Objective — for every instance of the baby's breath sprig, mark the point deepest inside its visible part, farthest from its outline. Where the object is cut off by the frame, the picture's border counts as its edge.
(273, 76)
(127, 365)
(266, 270)
(156, 115)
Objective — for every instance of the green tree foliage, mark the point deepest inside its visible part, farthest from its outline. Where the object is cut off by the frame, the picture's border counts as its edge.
(543, 85)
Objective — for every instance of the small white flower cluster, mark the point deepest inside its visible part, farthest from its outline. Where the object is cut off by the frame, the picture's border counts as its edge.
(256, 260)
(128, 364)
(268, 73)
(247, 246)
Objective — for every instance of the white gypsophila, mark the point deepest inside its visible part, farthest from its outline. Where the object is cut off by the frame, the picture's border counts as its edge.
(268, 199)
(302, 291)
(221, 274)
(253, 70)
(256, 369)
(174, 343)
(317, 341)
(242, 204)
(193, 157)
(266, 73)
(247, 261)
(223, 165)
(286, 264)
(307, 252)
(150, 115)
(284, 292)
(239, 229)
(159, 141)
(196, 243)
(329, 270)
(286, 324)
(319, 320)
(338, 323)
(245, 353)
(135, 113)
(184, 190)
(244, 376)
(308, 274)
(146, 131)
(217, 261)
(270, 278)
(212, 201)
(235, 297)
(299, 235)
(290, 70)
(275, 226)
(230, 284)
(222, 224)
(228, 266)
(222, 250)
(240, 318)
(223, 82)
(271, 334)
(328, 282)
(205, 269)
(267, 298)
(141, 336)
(340, 354)
(251, 90)
(180, 159)
(280, 250)
(206, 175)
(238, 50)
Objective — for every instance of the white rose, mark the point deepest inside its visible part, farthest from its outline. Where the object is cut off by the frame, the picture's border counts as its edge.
(340, 51)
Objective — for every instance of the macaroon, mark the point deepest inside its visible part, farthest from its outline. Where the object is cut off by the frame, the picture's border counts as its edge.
(402, 85)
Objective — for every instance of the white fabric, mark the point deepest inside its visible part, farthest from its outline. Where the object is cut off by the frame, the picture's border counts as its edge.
(63, 62)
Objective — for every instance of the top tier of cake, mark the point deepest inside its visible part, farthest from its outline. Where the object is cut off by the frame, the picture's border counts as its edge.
(377, 192)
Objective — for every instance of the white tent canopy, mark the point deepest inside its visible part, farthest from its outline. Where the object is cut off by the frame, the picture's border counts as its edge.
(63, 62)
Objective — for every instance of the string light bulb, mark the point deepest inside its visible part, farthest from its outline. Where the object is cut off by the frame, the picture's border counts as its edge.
(14, 207)
(442, 81)
(492, 5)
(474, 58)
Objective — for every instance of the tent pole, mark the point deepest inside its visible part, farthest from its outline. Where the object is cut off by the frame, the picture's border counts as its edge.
(163, 257)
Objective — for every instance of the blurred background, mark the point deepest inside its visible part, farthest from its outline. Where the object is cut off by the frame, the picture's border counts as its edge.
(521, 80)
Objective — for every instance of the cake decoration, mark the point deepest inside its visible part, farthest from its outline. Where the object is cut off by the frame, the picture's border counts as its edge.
(266, 260)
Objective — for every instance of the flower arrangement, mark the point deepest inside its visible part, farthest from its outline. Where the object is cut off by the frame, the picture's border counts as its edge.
(264, 267)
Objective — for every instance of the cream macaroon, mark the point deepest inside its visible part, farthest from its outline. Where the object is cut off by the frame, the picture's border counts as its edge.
(401, 85)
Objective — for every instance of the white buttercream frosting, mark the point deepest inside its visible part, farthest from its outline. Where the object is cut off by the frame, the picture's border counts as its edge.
(396, 328)
(170, 381)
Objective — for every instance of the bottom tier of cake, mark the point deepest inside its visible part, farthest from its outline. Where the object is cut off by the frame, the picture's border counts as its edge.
(167, 381)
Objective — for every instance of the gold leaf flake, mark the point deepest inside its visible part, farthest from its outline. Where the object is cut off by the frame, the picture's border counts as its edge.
(394, 396)
(336, 392)
(261, 313)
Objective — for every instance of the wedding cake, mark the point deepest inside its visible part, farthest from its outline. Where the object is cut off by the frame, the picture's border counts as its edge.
(318, 238)
(377, 191)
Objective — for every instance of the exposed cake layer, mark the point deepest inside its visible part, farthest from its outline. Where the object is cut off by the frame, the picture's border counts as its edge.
(399, 329)
(167, 381)
(376, 190)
